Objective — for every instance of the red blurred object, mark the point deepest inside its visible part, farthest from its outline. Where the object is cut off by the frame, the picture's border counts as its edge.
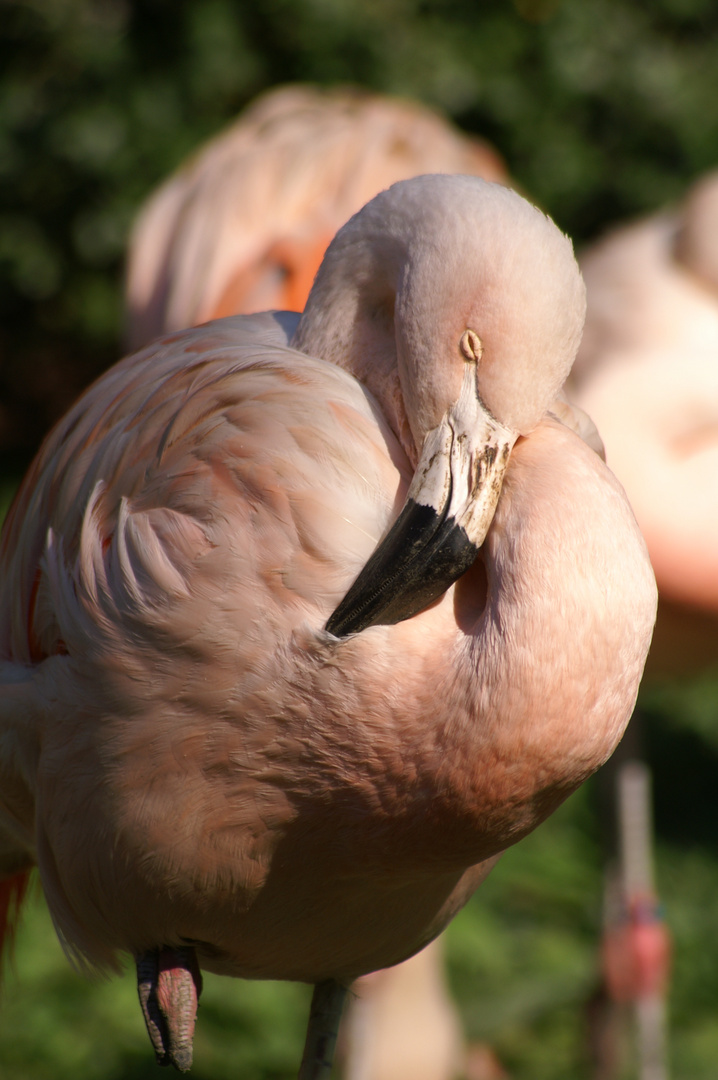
(637, 952)
(12, 891)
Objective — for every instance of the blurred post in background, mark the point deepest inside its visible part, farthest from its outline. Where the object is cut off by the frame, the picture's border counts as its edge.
(636, 946)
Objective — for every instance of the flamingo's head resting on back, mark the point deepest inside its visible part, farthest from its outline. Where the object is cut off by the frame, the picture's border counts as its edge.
(460, 306)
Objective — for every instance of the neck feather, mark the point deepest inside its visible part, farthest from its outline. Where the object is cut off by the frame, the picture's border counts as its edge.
(552, 667)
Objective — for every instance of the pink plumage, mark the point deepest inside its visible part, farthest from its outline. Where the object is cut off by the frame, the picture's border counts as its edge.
(195, 761)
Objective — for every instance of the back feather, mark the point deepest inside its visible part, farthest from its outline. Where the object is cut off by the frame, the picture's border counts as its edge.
(12, 894)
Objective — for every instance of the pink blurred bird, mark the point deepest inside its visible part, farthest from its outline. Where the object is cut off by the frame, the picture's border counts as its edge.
(293, 642)
(243, 225)
(647, 372)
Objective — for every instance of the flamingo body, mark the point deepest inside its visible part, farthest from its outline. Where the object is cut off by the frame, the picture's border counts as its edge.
(658, 415)
(194, 761)
(650, 284)
(242, 227)
(646, 372)
(153, 580)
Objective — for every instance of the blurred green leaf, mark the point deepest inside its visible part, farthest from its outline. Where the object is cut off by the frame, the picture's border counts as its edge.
(603, 109)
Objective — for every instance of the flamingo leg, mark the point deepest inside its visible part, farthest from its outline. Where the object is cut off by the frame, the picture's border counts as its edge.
(322, 1030)
(169, 984)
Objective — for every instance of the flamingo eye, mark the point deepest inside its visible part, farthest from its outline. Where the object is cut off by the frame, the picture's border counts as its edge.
(471, 346)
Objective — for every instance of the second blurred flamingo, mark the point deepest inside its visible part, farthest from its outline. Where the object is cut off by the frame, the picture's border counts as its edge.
(243, 225)
(647, 371)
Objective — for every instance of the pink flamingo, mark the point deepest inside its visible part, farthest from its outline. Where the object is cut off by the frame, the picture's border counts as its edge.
(293, 648)
(647, 373)
(242, 227)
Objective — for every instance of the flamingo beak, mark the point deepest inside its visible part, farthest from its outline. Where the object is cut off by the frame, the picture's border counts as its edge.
(448, 510)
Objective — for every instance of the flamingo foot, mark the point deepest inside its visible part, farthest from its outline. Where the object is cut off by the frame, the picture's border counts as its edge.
(322, 1030)
(169, 984)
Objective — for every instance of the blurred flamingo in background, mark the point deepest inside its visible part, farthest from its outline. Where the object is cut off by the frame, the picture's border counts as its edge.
(402, 1022)
(242, 227)
(218, 755)
(647, 371)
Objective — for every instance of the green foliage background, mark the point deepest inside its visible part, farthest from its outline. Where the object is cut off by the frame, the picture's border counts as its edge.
(603, 109)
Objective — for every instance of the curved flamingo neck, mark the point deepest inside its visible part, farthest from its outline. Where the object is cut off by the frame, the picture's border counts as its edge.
(557, 652)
